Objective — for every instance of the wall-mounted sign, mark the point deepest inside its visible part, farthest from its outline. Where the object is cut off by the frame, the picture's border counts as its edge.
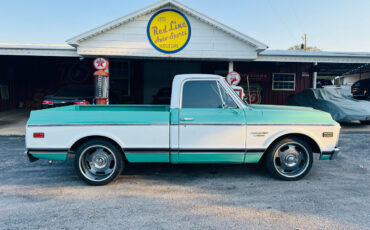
(253, 97)
(255, 76)
(101, 63)
(239, 90)
(233, 78)
(169, 31)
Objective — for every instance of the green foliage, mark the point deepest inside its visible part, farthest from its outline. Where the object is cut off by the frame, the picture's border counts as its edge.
(303, 48)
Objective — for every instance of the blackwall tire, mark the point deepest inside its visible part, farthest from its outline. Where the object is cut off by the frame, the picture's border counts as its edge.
(289, 159)
(98, 162)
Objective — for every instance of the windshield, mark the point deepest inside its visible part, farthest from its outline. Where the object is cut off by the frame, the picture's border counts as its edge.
(75, 91)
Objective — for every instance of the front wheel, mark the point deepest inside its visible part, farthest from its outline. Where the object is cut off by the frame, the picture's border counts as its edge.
(98, 162)
(289, 159)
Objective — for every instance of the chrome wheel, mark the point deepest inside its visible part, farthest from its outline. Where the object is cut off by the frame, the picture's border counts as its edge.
(291, 159)
(97, 163)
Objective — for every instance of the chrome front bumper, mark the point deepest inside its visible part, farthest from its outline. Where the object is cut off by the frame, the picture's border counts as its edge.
(330, 155)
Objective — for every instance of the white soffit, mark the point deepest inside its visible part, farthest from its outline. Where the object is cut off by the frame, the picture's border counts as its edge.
(38, 49)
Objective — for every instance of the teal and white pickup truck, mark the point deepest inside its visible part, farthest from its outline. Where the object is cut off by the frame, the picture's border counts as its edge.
(206, 123)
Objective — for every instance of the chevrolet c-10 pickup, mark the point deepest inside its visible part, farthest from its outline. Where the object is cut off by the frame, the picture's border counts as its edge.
(206, 122)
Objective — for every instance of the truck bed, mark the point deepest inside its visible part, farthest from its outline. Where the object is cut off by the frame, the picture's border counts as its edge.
(114, 108)
(101, 114)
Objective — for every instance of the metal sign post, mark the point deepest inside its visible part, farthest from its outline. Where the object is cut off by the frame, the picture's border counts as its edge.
(233, 78)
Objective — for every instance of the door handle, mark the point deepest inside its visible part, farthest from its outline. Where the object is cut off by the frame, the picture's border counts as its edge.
(187, 119)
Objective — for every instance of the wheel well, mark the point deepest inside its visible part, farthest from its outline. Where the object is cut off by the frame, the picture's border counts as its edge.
(314, 146)
(78, 143)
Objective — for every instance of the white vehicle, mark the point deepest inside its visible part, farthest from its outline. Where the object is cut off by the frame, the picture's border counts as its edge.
(206, 122)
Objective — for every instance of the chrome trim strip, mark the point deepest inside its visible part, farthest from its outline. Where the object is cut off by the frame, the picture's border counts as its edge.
(167, 124)
(264, 124)
(47, 152)
(184, 151)
(255, 124)
(100, 124)
(255, 150)
(210, 152)
(231, 124)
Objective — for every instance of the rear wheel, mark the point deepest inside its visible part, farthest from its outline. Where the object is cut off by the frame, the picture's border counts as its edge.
(289, 159)
(98, 162)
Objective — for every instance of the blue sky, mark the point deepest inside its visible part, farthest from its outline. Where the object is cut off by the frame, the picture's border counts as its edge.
(332, 25)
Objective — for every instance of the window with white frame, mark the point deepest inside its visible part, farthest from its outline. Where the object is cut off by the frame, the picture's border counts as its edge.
(283, 81)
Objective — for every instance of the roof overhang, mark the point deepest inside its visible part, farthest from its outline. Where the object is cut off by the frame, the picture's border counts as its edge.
(313, 57)
(32, 49)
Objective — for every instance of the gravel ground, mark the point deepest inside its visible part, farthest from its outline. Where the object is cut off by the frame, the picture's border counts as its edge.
(336, 195)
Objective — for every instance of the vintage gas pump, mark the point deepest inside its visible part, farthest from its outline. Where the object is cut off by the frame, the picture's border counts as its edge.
(233, 78)
(101, 81)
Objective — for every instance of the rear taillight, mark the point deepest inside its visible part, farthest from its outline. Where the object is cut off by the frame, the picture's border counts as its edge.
(82, 102)
(38, 135)
(47, 102)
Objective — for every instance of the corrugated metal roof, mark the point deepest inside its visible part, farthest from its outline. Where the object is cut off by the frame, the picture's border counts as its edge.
(313, 56)
(313, 53)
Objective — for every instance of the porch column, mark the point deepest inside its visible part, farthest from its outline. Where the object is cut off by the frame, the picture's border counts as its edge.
(314, 76)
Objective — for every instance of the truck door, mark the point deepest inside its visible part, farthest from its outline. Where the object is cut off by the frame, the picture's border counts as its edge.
(211, 126)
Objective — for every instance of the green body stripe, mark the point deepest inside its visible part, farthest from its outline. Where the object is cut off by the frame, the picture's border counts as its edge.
(210, 158)
(51, 156)
(148, 157)
(253, 157)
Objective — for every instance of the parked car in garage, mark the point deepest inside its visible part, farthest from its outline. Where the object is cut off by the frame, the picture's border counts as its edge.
(163, 97)
(344, 89)
(320, 83)
(361, 89)
(70, 95)
(340, 106)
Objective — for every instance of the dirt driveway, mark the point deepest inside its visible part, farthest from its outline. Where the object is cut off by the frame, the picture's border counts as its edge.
(336, 195)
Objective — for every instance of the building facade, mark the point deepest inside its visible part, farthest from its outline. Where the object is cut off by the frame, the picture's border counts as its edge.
(147, 48)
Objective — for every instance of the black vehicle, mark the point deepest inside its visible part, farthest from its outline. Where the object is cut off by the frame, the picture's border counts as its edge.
(361, 89)
(70, 95)
(320, 83)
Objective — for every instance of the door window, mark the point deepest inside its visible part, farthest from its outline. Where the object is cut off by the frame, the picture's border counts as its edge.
(201, 94)
(229, 102)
